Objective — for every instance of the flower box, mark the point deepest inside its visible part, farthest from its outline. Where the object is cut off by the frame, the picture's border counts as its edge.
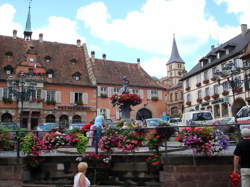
(213, 79)
(198, 84)
(50, 102)
(207, 98)
(188, 103)
(187, 88)
(199, 100)
(79, 102)
(206, 81)
(238, 90)
(215, 96)
(225, 93)
(154, 98)
(103, 95)
(7, 100)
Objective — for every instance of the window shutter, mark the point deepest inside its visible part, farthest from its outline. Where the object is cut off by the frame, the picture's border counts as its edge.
(98, 111)
(85, 98)
(44, 95)
(107, 113)
(1, 93)
(72, 98)
(109, 91)
(160, 94)
(98, 91)
(117, 114)
(149, 94)
(130, 91)
(58, 97)
(141, 93)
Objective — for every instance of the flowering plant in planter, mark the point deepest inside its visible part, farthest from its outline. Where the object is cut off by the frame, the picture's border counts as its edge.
(99, 158)
(187, 88)
(198, 84)
(215, 96)
(238, 90)
(6, 140)
(188, 103)
(154, 162)
(205, 141)
(125, 99)
(213, 79)
(77, 139)
(152, 139)
(199, 100)
(225, 93)
(206, 81)
(103, 95)
(207, 98)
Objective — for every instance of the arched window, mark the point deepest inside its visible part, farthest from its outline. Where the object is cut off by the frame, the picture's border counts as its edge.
(50, 118)
(6, 117)
(64, 121)
(76, 119)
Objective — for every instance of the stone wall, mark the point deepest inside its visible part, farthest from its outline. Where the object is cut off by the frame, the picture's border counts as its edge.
(188, 171)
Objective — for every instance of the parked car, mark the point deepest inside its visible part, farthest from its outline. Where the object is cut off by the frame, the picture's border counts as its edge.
(199, 117)
(76, 126)
(175, 122)
(9, 125)
(154, 122)
(110, 123)
(47, 126)
(224, 121)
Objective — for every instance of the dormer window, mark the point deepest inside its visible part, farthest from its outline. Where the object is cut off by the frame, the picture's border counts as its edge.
(218, 55)
(227, 51)
(77, 76)
(47, 59)
(9, 54)
(50, 73)
(8, 69)
(73, 61)
(31, 59)
(229, 48)
(209, 60)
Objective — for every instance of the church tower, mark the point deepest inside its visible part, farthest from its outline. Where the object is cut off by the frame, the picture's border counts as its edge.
(28, 32)
(175, 65)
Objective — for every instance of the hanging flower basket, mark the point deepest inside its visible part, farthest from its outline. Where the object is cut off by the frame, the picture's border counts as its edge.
(199, 100)
(213, 79)
(225, 93)
(238, 90)
(215, 96)
(198, 84)
(207, 98)
(125, 99)
(206, 81)
(187, 88)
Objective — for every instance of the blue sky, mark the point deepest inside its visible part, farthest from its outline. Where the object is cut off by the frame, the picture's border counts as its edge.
(127, 29)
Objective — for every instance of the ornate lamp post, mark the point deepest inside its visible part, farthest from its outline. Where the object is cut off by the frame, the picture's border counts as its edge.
(21, 88)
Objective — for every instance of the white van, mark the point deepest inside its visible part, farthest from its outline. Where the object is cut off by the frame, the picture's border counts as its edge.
(243, 117)
(200, 117)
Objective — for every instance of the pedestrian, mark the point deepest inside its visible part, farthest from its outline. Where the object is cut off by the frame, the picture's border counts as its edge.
(242, 158)
(80, 179)
(98, 127)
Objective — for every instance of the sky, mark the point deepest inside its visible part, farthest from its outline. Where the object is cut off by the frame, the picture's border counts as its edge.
(129, 29)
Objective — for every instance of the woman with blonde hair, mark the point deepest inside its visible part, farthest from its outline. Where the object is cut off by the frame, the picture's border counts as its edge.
(80, 180)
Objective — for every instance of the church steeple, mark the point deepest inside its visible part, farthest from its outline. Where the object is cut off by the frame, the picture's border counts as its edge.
(175, 57)
(28, 32)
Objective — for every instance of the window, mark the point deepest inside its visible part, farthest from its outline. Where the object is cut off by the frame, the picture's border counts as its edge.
(36, 93)
(198, 78)
(31, 59)
(76, 119)
(224, 110)
(216, 111)
(73, 61)
(209, 60)
(78, 98)
(6, 93)
(170, 67)
(8, 69)
(103, 111)
(154, 93)
(188, 97)
(116, 90)
(225, 86)
(216, 89)
(77, 76)
(207, 91)
(187, 83)
(181, 95)
(206, 75)
(176, 96)
(103, 90)
(218, 55)
(50, 75)
(47, 59)
(51, 95)
(135, 91)
(199, 94)
(227, 51)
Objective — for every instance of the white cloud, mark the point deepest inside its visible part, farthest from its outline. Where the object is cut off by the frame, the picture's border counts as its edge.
(155, 66)
(60, 29)
(151, 28)
(7, 13)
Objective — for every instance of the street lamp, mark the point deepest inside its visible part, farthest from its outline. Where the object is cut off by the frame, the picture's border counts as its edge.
(21, 88)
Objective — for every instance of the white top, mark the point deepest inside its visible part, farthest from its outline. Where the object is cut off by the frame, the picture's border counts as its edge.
(77, 180)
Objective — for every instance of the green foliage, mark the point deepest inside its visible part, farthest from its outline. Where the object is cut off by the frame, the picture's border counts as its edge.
(27, 143)
(7, 100)
(6, 142)
(82, 143)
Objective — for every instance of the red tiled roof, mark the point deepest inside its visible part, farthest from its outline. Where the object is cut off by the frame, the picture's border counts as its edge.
(112, 72)
(60, 54)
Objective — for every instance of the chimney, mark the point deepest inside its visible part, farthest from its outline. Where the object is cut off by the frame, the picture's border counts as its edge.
(41, 38)
(212, 47)
(78, 43)
(14, 34)
(104, 56)
(243, 29)
(92, 56)
(138, 62)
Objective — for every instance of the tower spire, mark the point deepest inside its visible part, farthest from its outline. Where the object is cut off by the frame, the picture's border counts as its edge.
(175, 57)
(28, 32)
